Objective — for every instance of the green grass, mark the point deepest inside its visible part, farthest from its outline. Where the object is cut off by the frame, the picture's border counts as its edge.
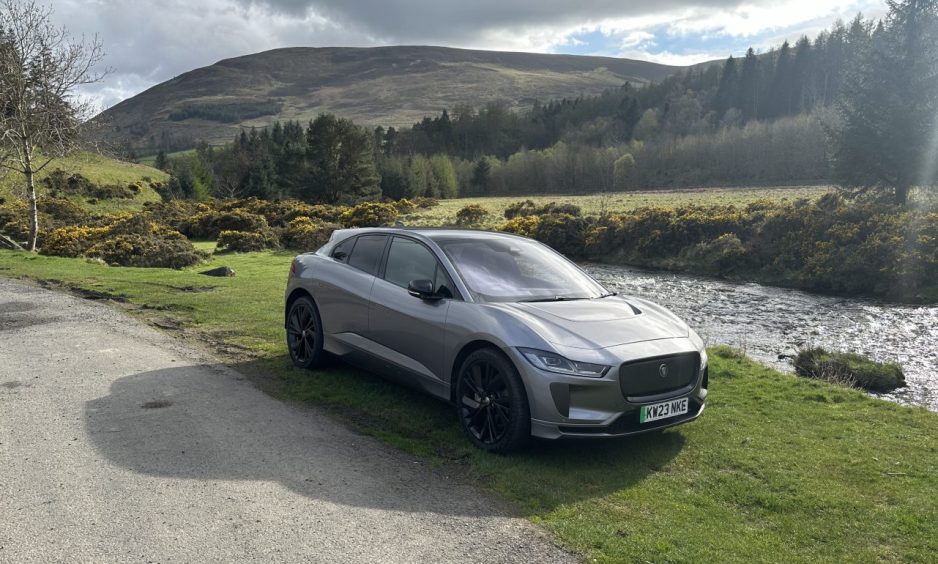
(100, 170)
(779, 468)
(594, 204)
(150, 160)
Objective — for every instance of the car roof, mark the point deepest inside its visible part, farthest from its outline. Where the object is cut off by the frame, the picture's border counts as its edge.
(436, 233)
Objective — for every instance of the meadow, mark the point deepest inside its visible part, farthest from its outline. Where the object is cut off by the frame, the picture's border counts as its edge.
(779, 468)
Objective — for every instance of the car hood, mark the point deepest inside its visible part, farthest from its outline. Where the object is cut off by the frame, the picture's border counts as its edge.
(599, 323)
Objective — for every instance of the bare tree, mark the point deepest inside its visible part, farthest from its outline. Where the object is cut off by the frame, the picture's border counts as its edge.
(41, 114)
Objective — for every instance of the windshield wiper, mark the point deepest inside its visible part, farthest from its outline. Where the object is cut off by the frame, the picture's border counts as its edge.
(553, 299)
(607, 295)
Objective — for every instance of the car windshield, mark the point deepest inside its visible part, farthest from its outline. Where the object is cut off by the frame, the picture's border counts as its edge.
(503, 269)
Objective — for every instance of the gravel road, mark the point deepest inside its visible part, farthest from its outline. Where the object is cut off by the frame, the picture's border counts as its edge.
(118, 443)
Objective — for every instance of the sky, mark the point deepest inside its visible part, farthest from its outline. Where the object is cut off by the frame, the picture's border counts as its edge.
(150, 41)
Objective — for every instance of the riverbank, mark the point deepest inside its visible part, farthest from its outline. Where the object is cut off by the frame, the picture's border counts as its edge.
(772, 324)
(778, 468)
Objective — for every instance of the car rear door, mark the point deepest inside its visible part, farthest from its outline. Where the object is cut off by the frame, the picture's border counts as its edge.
(344, 293)
(412, 329)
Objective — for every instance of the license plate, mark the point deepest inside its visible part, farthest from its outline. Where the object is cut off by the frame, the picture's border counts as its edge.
(662, 410)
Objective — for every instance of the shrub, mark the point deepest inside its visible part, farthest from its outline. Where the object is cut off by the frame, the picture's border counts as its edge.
(53, 213)
(62, 211)
(525, 226)
(424, 202)
(305, 234)
(562, 232)
(528, 207)
(520, 209)
(13, 220)
(130, 240)
(404, 206)
(723, 255)
(59, 182)
(209, 224)
(174, 213)
(473, 214)
(72, 241)
(277, 213)
(369, 214)
(113, 191)
(146, 251)
(247, 241)
(849, 369)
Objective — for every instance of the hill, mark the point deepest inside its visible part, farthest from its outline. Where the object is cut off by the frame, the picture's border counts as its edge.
(390, 86)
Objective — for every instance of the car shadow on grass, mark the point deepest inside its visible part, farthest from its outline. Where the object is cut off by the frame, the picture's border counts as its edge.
(209, 422)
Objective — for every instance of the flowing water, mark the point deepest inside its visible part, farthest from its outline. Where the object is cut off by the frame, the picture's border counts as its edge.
(770, 324)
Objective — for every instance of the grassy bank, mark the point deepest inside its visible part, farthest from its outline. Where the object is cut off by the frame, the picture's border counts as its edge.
(778, 469)
(100, 170)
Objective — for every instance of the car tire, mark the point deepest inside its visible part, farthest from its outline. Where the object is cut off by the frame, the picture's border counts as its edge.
(491, 402)
(304, 333)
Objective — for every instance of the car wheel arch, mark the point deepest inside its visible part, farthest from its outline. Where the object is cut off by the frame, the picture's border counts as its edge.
(295, 295)
(464, 352)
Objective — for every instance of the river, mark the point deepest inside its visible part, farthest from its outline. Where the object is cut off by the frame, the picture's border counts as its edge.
(766, 322)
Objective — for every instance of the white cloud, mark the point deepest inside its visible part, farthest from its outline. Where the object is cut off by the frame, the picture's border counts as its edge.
(675, 59)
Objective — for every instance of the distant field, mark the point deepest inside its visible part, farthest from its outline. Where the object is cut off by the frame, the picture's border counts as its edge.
(99, 169)
(592, 204)
(150, 160)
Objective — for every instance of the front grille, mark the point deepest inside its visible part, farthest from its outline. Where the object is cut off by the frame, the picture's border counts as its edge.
(659, 375)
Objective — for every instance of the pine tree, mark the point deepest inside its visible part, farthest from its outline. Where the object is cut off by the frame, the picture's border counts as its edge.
(749, 86)
(728, 87)
(341, 159)
(480, 175)
(890, 134)
(801, 74)
(161, 162)
(780, 103)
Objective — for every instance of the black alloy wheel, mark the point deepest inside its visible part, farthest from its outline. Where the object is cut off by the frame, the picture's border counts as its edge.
(304, 333)
(491, 402)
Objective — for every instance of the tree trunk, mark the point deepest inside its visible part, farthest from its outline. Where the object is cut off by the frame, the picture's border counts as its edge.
(31, 198)
(902, 193)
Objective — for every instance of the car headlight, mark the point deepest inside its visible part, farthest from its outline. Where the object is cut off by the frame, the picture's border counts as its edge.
(553, 362)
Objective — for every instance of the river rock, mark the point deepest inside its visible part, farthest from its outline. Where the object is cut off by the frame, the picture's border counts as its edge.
(220, 271)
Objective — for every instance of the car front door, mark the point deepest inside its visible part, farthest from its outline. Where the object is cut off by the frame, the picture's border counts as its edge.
(412, 329)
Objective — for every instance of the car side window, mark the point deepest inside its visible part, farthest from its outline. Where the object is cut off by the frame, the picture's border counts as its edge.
(408, 260)
(366, 255)
(343, 250)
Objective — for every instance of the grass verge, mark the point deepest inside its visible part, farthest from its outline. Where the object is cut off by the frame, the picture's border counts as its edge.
(779, 468)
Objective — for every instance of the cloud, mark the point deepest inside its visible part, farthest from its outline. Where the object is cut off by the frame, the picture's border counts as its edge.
(154, 40)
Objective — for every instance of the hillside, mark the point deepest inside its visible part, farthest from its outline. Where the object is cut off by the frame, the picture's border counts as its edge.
(374, 86)
(100, 170)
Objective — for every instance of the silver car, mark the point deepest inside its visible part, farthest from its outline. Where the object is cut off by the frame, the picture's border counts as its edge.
(517, 337)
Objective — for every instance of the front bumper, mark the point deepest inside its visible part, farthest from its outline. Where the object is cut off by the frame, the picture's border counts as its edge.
(572, 406)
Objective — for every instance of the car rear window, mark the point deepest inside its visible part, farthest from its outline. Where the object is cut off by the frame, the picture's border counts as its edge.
(342, 251)
(367, 253)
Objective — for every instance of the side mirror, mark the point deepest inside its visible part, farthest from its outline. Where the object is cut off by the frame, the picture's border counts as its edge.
(340, 256)
(422, 289)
